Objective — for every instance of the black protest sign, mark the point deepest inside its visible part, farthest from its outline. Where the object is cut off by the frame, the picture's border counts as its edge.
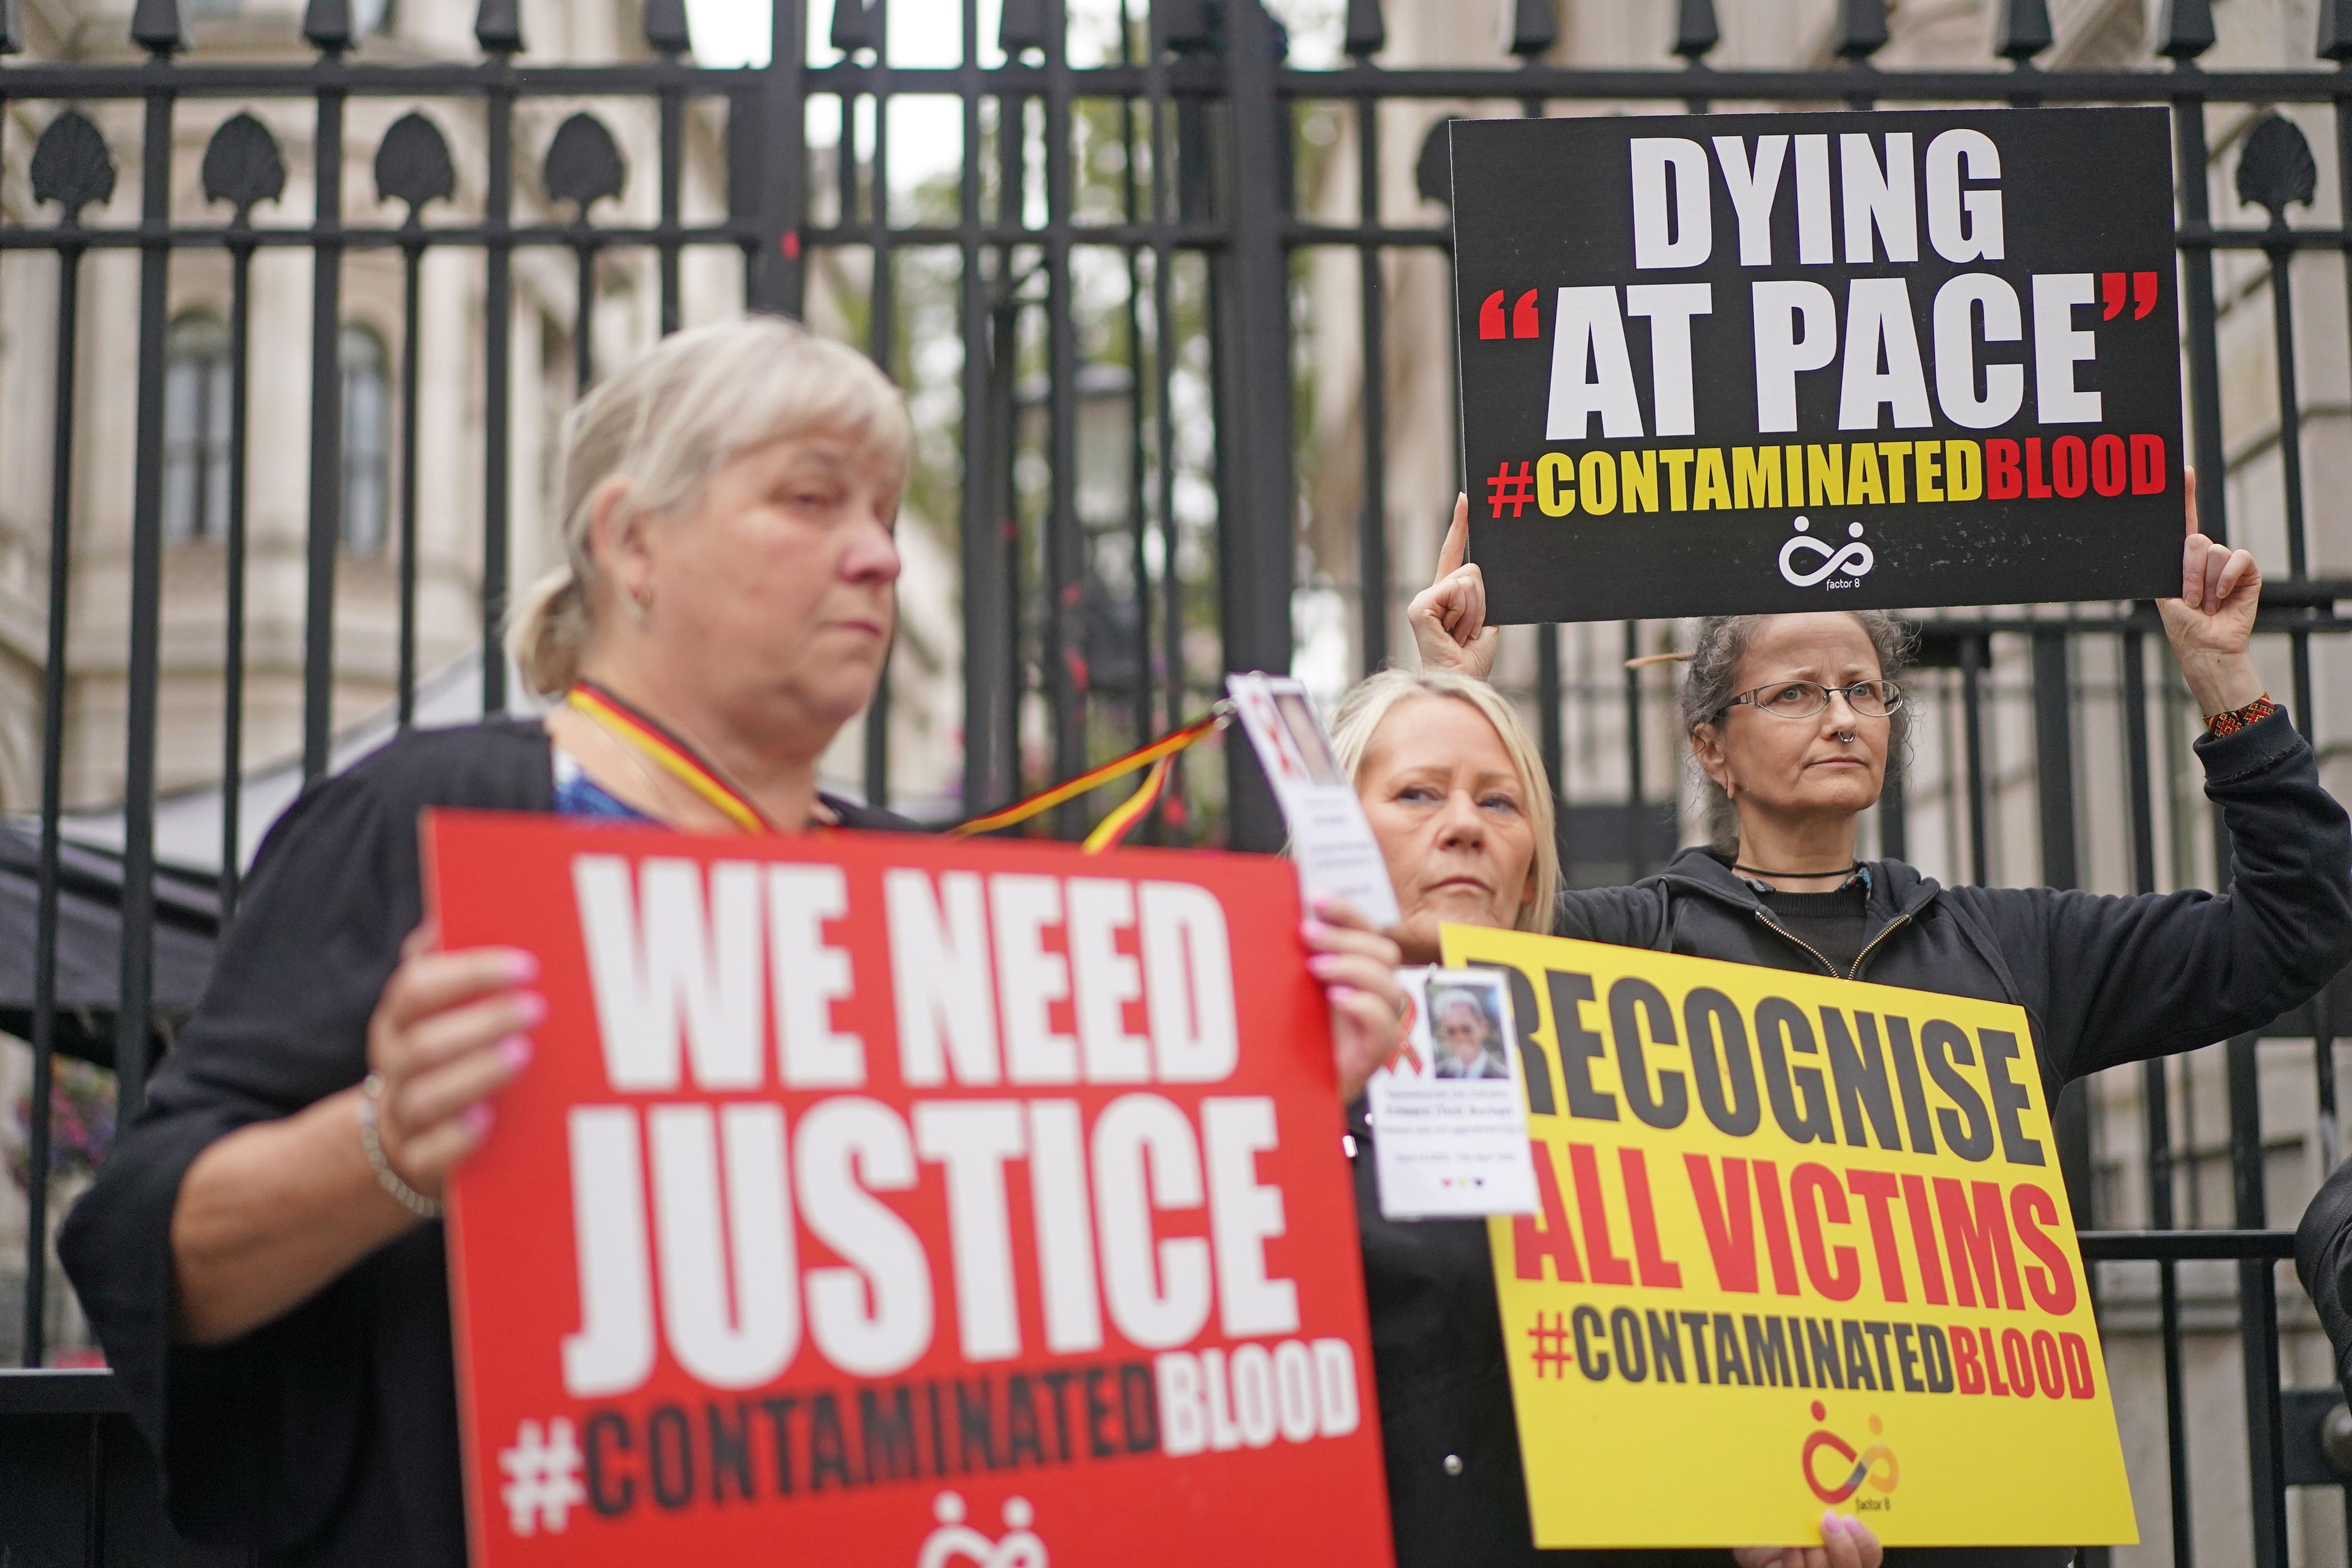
(1735, 363)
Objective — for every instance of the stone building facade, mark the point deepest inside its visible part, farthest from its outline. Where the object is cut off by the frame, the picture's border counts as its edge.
(450, 412)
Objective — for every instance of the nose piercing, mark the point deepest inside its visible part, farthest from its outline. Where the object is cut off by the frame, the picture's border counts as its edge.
(1845, 737)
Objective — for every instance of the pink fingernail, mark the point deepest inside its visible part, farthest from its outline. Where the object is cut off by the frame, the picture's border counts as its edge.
(522, 965)
(478, 1117)
(533, 1007)
(1314, 930)
(516, 1052)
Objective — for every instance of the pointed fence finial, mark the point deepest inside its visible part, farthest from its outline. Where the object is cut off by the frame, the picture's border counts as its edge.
(412, 164)
(856, 25)
(665, 27)
(497, 26)
(72, 165)
(2023, 30)
(1433, 172)
(1534, 28)
(327, 26)
(1861, 29)
(2336, 30)
(2275, 168)
(157, 27)
(583, 163)
(1696, 30)
(1023, 25)
(1368, 29)
(2184, 29)
(243, 165)
(1186, 25)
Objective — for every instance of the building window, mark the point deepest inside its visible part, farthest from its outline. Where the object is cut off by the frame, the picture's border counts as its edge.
(195, 428)
(367, 443)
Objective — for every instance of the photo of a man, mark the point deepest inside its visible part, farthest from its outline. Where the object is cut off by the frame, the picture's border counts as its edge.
(1306, 738)
(1468, 1033)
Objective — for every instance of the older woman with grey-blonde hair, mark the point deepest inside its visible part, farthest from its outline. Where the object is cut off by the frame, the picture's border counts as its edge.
(1462, 808)
(1456, 792)
(258, 1256)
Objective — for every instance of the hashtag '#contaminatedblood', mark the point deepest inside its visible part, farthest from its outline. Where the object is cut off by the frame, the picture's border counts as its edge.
(542, 1470)
(1551, 1354)
(1513, 491)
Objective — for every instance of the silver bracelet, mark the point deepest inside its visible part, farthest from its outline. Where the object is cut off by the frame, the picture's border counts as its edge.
(407, 1196)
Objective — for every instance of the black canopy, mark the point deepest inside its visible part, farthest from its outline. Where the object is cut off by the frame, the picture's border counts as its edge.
(89, 944)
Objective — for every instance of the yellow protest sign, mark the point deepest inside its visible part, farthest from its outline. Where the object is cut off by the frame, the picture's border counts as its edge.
(1803, 1246)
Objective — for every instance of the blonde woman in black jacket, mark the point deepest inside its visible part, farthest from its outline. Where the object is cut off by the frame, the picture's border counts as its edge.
(1459, 800)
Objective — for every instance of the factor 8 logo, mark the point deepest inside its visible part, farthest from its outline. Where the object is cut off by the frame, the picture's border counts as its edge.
(1851, 562)
(1846, 1481)
(955, 1544)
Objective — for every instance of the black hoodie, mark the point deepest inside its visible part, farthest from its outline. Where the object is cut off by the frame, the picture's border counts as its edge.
(2104, 980)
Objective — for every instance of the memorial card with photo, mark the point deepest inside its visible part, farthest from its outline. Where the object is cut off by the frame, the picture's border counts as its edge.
(1449, 1114)
(1330, 838)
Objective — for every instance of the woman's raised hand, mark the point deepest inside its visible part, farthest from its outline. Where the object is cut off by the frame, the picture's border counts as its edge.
(1357, 967)
(449, 1031)
(2212, 621)
(1449, 617)
(1846, 1542)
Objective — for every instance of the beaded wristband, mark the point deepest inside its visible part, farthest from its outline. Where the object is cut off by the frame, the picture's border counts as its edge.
(2238, 719)
(407, 1196)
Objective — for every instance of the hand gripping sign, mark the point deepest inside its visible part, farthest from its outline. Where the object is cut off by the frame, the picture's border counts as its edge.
(911, 1202)
(1802, 1244)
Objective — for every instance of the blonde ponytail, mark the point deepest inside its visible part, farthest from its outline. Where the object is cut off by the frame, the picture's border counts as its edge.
(547, 635)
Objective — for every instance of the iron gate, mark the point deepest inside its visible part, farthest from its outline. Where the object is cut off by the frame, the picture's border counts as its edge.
(1199, 215)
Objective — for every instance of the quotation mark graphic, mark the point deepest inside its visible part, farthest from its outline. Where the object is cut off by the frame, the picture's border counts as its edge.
(1524, 323)
(2111, 293)
(1512, 490)
(1551, 1353)
(542, 1477)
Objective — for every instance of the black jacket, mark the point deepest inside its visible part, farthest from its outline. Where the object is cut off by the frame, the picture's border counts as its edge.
(328, 1436)
(2323, 1257)
(2104, 980)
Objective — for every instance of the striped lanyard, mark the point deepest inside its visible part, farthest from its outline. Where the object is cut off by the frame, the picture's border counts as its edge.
(1128, 813)
(628, 725)
(674, 756)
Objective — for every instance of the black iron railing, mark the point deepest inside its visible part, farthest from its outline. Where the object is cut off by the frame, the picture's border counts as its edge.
(1201, 224)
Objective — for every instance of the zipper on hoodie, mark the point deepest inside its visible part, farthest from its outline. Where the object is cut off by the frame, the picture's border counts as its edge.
(1867, 948)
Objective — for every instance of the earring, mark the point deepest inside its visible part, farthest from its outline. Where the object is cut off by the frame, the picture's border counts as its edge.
(640, 605)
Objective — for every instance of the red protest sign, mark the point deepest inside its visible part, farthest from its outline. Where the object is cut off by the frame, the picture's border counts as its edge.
(912, 1201)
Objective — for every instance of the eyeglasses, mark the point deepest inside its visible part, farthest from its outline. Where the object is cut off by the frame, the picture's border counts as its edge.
(1807, 699)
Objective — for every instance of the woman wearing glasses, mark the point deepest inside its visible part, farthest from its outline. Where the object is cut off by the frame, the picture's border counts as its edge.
(1793, 719)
